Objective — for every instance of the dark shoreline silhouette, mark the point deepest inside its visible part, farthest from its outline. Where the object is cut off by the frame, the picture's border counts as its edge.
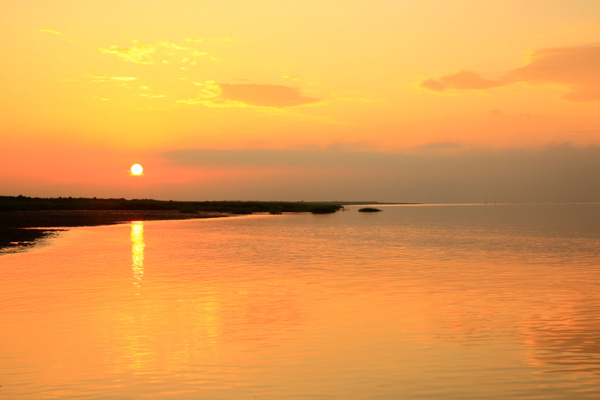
(23, 203)
(48, 215)
(20, 229)
(24, 220)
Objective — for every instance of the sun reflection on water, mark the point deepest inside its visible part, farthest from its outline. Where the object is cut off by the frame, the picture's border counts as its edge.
(137, 251)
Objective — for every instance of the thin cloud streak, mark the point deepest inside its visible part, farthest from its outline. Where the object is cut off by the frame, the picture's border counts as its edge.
(215, 94)
(462, 80)
(264, 95)
(50, 31)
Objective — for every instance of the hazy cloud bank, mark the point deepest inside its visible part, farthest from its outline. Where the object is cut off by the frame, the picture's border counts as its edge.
(577, 68)
(557, 173)
(276, 158)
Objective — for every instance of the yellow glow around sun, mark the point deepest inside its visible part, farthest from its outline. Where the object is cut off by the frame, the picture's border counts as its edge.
(136, 169)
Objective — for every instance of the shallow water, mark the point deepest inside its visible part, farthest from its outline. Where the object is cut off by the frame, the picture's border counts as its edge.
(415, 302)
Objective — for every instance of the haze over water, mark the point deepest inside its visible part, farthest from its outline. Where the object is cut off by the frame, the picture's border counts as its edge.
(415, 302)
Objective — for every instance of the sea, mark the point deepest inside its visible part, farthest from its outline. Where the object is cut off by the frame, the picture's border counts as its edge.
(461, 301)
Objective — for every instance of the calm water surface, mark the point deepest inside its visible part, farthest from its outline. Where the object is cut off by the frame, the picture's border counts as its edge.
(415, 302)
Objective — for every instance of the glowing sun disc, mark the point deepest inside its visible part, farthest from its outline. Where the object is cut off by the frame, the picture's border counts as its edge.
(136, 169)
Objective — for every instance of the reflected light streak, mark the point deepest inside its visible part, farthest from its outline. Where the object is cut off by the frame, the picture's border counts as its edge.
(137, 252)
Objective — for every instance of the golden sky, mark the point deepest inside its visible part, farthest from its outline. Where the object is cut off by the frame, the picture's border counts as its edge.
(424, 101)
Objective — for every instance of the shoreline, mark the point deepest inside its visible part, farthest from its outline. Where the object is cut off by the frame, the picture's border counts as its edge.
(19, 230)
(48, 215)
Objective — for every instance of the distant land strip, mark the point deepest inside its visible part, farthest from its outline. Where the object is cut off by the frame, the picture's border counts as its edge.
(23, 203)
(17, 213)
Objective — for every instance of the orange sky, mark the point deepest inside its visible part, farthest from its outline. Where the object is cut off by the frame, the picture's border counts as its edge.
(433, 101)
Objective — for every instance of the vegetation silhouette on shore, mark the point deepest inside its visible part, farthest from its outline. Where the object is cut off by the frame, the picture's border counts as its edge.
(19, 212)
(49, 215)
(23, 203)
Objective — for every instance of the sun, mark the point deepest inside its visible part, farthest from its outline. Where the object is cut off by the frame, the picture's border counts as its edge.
(137, 169)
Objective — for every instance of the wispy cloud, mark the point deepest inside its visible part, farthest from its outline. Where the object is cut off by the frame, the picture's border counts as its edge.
(183, 49)
(138, 53)
(264, 95)
(112, 78)
(50, 31)
(462, 80)
(187, 56)
(576, 68)
(200, 40)
(215, 94)
(160, 52)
